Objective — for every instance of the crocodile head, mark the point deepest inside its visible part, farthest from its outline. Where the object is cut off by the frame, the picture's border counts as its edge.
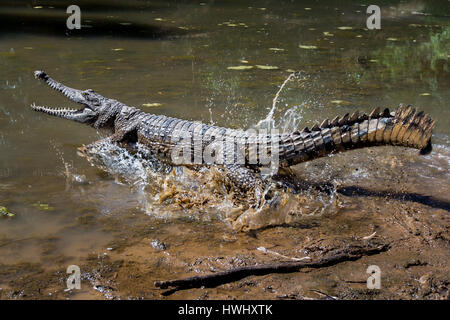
(95, 106)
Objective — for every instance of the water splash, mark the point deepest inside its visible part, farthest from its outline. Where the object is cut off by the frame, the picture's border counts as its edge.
(268, 122)
(204, 193)
(289, 121)
(69, 170)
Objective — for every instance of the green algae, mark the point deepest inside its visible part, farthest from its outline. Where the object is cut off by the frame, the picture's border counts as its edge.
(4, 212)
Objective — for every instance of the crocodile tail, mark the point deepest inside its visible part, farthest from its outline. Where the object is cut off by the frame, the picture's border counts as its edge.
(404, 127)
(410, 128)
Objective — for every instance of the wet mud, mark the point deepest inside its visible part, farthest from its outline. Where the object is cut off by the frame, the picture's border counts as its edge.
(415, 266)
(128, 222)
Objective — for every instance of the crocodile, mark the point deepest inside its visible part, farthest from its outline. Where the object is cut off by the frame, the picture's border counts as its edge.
(405, 126)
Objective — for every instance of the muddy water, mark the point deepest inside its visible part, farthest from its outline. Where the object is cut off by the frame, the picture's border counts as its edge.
(178, 57)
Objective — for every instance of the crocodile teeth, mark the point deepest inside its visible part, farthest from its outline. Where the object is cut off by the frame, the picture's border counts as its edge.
(53, 111)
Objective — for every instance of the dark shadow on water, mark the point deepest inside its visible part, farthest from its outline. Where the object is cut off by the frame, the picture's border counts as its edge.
(298, 186)
(91, 5)
(354, 191)
(55, 25)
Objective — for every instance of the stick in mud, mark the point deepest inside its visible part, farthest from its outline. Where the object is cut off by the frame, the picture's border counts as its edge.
(351, 252)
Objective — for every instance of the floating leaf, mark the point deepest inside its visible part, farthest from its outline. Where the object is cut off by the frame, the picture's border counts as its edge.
(421, 13)
(125, 23)
(266, 67)
(392, 39)
(290, 70)
(302, 46)
(240, 68)
(340, 102)
(118, 49)
(93, 61)
(276, 49)
(43, 206)
(155, 104)
(5, 213)
(243, 61)
(345, 28)
(307, 9)
(425, 94)
(327, 34)
(159, 19)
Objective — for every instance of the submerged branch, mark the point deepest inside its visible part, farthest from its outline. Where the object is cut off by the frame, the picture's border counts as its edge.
(349, 253)
(6, 243)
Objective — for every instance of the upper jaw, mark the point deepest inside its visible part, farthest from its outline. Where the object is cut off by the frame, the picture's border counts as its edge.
(73, 94)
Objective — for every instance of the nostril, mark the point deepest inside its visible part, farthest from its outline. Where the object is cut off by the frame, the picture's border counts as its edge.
(39, 74)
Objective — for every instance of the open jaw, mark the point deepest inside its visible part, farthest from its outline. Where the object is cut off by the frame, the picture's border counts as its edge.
(74, 95)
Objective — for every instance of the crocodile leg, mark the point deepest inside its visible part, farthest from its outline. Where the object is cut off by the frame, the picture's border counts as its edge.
(105, 152)
(246, 180)
(86, 150)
